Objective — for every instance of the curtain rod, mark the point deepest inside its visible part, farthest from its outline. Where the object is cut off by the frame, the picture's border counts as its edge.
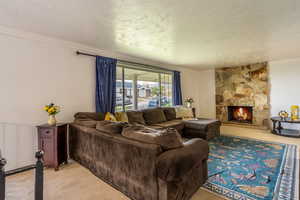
(125, 61)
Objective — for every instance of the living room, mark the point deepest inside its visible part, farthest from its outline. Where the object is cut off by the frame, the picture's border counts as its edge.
(234, 68)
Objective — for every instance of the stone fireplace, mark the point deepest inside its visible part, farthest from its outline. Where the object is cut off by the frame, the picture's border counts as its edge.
(242, 94)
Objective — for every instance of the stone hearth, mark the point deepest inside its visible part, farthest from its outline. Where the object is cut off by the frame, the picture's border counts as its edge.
(243, 86)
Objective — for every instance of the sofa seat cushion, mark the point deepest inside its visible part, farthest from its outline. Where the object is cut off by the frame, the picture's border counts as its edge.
(90, 115)
(154, 116)
(136, 117)
(177, 124)
(167, 138)
(110, 127)
(201, 123)
(170, 113)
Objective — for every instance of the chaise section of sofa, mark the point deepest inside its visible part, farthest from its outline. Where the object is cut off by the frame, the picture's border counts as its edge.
(181, 172)
(202, 128)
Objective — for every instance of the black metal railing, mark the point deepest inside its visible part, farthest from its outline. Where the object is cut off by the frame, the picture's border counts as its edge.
(2, 178)
(39, 177)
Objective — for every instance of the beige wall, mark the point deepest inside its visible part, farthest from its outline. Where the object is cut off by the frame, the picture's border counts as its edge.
(200, 85)
(284, 82)
(33, 74)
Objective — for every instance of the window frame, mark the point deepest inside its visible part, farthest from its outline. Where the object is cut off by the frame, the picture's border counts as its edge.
(159, 71)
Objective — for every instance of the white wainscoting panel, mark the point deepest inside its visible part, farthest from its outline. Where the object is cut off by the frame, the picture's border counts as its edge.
(18, 144)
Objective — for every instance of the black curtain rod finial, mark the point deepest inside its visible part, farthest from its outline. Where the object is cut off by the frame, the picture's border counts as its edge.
(85, 54)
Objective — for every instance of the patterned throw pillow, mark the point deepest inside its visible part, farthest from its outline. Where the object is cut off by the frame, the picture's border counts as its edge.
(184, 112)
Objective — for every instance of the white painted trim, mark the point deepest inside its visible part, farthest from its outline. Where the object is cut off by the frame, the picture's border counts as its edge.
(18, 147)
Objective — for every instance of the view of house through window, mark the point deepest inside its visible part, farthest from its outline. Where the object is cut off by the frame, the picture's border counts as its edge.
(142, 89)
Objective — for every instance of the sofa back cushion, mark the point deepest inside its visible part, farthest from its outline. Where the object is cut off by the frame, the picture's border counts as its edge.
(154, 116)
(170, 113)
(136, 117)
(167, 138)
(110, 127)
(89, 115)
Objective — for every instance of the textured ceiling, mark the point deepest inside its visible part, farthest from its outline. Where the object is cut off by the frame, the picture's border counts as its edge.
(192, 33)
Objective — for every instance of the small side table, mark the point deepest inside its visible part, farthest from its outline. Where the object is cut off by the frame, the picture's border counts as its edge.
(53, 141)
(279, 130)
(194, 112)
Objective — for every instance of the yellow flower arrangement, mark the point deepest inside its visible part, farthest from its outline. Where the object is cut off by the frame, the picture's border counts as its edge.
(52, 109)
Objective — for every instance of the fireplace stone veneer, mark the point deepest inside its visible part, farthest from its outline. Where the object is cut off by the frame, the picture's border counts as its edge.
(245, 86)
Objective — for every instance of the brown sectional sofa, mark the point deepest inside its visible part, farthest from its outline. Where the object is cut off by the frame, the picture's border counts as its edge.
(141, 170)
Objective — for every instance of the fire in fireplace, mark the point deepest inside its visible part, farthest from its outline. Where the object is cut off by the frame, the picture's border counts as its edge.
(242, 114)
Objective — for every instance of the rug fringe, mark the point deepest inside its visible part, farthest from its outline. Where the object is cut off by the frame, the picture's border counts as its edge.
(297, 174)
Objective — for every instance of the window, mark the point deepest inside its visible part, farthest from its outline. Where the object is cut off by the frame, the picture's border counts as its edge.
(140, 88)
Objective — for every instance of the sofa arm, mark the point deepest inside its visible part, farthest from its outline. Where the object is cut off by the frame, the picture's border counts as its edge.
(172, 165)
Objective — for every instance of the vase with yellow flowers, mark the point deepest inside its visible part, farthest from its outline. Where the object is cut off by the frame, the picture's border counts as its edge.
(52, 110)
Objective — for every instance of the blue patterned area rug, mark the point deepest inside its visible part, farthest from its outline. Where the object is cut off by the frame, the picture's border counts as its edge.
(246, 169)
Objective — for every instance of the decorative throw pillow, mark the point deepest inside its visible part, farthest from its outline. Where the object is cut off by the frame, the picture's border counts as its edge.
(135, 117)
(86, 122)
(183, 112)
(110, 127)
(154, 116)
(121, 116)
(110, 117)
(167, 138)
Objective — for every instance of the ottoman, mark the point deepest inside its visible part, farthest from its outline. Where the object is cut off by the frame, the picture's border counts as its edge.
(201, 128)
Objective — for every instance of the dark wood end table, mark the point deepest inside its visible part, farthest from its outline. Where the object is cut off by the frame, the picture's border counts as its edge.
(53, 141)
(279, 130)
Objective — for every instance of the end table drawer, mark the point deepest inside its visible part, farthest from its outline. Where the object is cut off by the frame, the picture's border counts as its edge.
(47, 132)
